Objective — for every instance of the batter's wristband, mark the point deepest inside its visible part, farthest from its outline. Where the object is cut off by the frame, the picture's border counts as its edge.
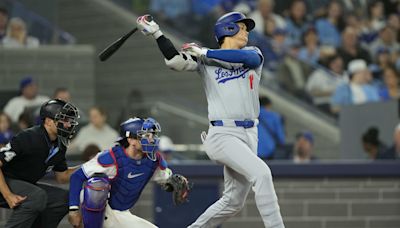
(157, 34)
(73, 208)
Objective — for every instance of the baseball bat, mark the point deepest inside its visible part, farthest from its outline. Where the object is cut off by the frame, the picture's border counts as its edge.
(112, 48)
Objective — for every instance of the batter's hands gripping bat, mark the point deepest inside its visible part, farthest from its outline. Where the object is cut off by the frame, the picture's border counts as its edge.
(112, 48)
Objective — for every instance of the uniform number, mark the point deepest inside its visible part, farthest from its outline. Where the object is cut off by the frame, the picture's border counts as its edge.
(8, 155)
(251, 78)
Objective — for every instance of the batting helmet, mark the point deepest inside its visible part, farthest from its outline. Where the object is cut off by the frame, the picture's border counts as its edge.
(65, 114)
(226, 25)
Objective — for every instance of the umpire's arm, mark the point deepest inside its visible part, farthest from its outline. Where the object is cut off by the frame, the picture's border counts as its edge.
(63, 177)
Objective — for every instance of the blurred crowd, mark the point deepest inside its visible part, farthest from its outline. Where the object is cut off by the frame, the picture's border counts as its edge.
(310, 47)
(94, 133)
(274, 143)
(14, 32)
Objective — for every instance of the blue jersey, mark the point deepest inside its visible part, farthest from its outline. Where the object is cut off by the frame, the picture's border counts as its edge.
(128, 176)
(132, 176)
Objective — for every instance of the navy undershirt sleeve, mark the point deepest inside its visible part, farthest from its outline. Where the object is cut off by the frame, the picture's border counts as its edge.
(249, 58)
(75, 187)
(166, 47)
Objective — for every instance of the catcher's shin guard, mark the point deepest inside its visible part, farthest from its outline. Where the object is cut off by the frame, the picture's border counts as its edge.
(94, 201)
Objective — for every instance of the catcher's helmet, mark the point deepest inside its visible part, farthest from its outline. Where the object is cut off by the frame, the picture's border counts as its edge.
(65, 114)
(226, 25)
(149, 137)
(130, 128)
(145, 130)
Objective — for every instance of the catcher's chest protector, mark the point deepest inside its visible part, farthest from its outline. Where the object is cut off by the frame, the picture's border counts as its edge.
(132, 177)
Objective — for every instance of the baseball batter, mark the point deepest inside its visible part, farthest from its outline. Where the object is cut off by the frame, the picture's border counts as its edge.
(231, 77)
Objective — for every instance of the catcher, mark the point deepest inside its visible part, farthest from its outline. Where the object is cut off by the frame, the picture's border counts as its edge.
(113, 180)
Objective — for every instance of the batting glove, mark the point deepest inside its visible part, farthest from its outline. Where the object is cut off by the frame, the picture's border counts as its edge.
(148, 27)
(194, 49)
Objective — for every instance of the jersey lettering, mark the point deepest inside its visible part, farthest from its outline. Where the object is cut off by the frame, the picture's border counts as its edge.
(223, 75)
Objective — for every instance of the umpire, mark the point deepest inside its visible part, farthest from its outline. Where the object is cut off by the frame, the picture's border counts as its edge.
(27, 158)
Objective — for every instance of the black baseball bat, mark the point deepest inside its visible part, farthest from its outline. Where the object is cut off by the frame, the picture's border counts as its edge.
(112, 48)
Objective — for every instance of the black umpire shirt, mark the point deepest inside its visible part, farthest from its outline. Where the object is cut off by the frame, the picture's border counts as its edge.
(31, 154)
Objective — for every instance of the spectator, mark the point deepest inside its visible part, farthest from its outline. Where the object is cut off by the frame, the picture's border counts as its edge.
(323, 81)
(394, 151)
(263, 14)
(29, 98)
(309, 53)
(296, 23)
(271, 135)
(372, 144)
(275, 50)
(167, 149)
(386, 39)
(97, 132)
(3, 141)
(303, 148)
(356, 23)
(394, 23)
(17, 35)
(25, 121)
(3, 22)
(5, 127)
(329, 28)
(382, 60)
(171, 11)
(355, 7)
(358, 91)
(390, 88)
(90, 152)
(376, 15)
(62, 94)
(350, 49)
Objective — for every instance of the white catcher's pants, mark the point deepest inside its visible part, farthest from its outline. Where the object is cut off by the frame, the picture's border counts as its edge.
(124, 219)
(236, 149)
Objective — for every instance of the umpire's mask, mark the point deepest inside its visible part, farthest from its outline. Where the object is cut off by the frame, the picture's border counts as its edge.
(67, 120)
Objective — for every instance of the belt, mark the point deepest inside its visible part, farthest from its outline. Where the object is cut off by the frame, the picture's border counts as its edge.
(233, 123)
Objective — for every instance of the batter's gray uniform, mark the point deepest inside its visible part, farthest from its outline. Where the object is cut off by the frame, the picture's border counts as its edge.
(232, 95)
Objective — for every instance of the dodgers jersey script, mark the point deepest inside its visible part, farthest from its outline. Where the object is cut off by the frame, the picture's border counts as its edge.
(231, 89)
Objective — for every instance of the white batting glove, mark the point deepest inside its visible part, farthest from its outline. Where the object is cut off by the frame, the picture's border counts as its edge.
(194, 49)
(148, 27)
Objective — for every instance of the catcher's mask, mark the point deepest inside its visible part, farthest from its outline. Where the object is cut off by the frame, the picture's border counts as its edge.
(149, 137)
(65, 116)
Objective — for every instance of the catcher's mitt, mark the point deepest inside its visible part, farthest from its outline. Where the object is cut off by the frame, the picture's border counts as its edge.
(180, 187)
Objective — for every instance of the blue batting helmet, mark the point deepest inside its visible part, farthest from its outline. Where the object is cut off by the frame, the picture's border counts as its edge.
(226, 25)
(130, 128)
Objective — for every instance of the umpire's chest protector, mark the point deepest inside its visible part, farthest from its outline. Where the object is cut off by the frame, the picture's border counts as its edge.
(132, 176)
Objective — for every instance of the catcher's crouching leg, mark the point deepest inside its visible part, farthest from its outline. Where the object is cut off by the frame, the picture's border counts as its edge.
(94, 201)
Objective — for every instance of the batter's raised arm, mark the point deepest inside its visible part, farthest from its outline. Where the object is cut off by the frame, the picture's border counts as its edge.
(178, 61)
(248, 58)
